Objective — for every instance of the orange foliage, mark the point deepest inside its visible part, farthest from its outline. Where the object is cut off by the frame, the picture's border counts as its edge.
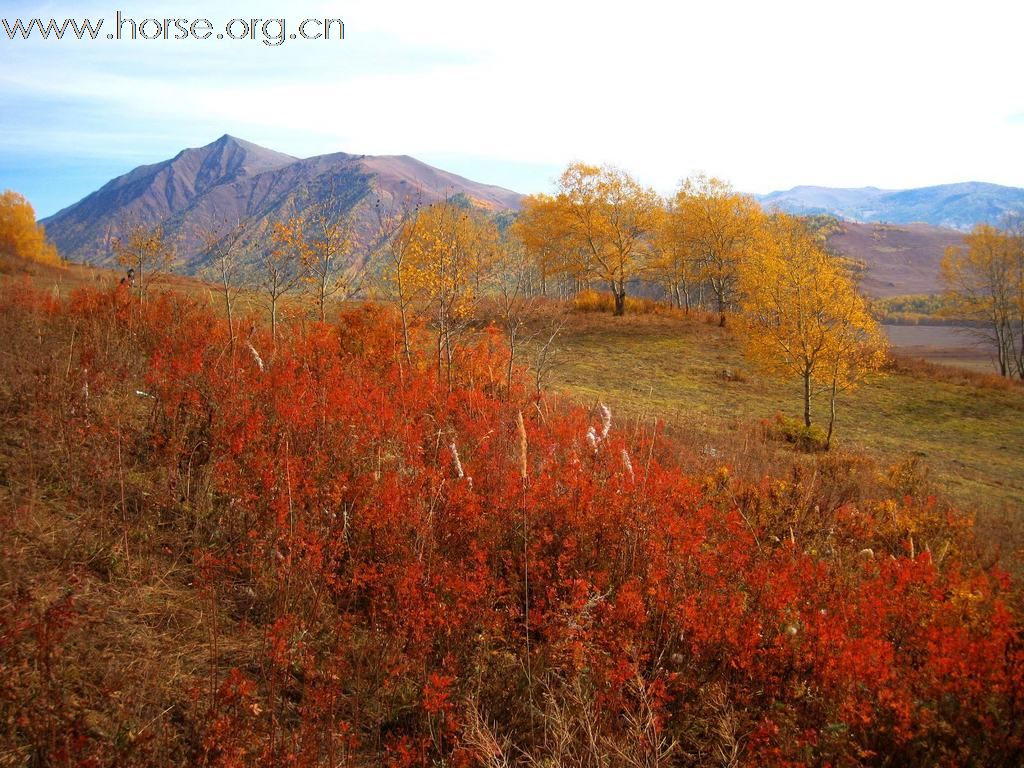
(379, 527)
(19, 234)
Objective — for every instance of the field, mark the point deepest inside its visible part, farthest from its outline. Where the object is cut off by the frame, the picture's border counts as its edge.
(967, 429)
(942, 344)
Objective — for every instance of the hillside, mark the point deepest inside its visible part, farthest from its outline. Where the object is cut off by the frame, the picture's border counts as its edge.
(895, 260)
(955, 206)
(231, 180)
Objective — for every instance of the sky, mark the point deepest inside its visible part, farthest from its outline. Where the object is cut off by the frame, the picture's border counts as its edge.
(767, 95)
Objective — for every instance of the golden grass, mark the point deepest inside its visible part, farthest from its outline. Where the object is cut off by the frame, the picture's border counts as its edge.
(967, 428)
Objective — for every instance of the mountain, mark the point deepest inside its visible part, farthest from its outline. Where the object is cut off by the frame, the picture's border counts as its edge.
(895, 259)
(955, 206)
(230, 180)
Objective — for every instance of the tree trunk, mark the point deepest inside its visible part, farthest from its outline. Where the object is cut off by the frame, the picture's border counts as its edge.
(231, 325)
(449, 357)
(403, 309)
(273, 320)
(511, 360)
(440, 352)
(807, 399)
(620, 303)
(832, 416)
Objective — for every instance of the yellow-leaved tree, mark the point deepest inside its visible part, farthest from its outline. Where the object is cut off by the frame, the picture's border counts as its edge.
(717, 227)
(397, 235)
(803, 317)
(145, 252)
(610, 218)
(19, 234)
(674, 262)
(226, 248)
(984, 281)
(278, 269)
(324, 238)
(543, 229)
(448, 251)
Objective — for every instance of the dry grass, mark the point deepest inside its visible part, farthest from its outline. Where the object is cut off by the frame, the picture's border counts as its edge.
(97, 587)
(964, 430)
(603, 301)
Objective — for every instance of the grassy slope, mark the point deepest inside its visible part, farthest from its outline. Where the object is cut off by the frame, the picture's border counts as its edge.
(970, 436)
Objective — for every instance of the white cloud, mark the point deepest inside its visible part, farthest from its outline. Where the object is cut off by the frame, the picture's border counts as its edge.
(766, 94)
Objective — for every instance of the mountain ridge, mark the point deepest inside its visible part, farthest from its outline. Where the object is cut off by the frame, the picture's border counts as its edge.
(231, 179)
(959, 205)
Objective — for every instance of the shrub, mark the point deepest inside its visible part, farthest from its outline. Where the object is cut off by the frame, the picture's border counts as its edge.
(789, 430)
(389, 571)
(603, 301)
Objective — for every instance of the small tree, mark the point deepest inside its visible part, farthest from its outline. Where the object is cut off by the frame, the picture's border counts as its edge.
(146, 252)
(672, 259)
(278, 270)
(225, 248)
(397, 231)
(984, 281)
(323, 238)
(544, 230)
(450, 250)
(803, 316)
(609, 218)
(511, 277)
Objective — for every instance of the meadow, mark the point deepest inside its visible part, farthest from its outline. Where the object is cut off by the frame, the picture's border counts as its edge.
(966, 428)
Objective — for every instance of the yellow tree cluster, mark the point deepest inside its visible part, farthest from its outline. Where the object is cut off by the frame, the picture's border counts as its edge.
(984, 281)
(321, 243)
(442, 258)
(803, 317)
(800, 311)
(603, 225)
(710, 231)
(543, 230)
(19, 234)
(609, 219)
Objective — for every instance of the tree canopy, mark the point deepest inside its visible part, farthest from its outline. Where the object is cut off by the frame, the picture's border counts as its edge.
(19, 234)
(803, 316)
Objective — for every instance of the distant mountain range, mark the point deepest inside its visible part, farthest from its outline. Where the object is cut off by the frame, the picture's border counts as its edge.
(230, 180)
(955, 206)
(200, 190)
